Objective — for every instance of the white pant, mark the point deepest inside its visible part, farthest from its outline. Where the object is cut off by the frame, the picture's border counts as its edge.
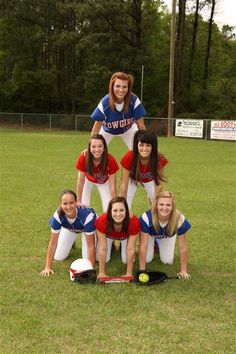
(127, 137)
(166, 249)
(123, 245)
(65, 242)
(105, 195)
(103, 190)
(67, 238)
(132, 187)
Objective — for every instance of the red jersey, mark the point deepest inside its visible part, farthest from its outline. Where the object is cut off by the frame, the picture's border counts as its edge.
(145, 173)
(133, 229)
(112, 168)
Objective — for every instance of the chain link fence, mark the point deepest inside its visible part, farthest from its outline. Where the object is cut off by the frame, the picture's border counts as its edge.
(82, 122)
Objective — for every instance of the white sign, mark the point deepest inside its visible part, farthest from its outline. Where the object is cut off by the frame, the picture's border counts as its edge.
(190, 128)
(223, 129)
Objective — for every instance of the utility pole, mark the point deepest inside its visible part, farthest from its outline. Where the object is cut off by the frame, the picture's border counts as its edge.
(142, 76)
(171, 72)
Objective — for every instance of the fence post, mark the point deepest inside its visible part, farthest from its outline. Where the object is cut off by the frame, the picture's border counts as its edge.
(76, 127)
(206, 131)
(50, 122)
(21, 120)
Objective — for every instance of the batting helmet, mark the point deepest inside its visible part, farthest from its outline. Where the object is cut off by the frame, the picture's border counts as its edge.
(81, 270)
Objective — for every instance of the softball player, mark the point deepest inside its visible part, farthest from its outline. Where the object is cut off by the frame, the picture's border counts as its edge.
(119, 113)
(66, 223)
(96, 168)
(142, 166)
(164, 223)
(117, 224)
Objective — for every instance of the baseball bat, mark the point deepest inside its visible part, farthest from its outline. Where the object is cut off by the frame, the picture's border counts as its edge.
(116, 279)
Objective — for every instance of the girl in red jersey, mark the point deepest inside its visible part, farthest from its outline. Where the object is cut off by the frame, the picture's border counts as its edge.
(96, 168)
(117, 224)
(142, 166)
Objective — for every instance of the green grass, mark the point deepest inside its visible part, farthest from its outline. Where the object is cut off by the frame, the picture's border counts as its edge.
(54, 315)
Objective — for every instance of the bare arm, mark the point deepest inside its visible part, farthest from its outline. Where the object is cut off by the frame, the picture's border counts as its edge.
(140, 124)
(131, 243)
(183, 253)
(102, 244)
(96, 127)
(124, 180)
(91, 248)
(50, 254)
(112, 185)
(80, 186)
(143, 247)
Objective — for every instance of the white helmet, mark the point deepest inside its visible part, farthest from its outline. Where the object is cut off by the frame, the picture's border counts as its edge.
(80, 268)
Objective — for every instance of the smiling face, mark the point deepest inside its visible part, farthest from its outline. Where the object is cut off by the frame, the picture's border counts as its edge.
(144, 150)
(164, 208)
(118, 213)
(120, 89)
(68, 205)
(96, 148)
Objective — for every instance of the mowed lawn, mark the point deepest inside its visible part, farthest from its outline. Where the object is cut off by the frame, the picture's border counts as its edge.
(54, 315)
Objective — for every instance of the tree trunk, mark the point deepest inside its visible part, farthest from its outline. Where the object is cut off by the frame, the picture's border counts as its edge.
(205, 74)
(179, 54)
(193, 46)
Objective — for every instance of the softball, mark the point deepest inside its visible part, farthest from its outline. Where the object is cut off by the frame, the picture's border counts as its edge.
(143, 277)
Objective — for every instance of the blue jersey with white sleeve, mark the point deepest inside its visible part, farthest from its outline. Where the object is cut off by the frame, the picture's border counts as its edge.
(84, 221)
(118, 122)
(147, 226)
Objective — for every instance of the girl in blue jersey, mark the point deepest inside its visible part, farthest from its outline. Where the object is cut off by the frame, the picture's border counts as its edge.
(66, 223)
(119, 113)
(164, 223)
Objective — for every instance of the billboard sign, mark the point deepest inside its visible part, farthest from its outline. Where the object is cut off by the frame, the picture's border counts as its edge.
(191, 128)
(223, 129)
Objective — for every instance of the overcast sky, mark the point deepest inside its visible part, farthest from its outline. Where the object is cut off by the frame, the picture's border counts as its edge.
(225, 12)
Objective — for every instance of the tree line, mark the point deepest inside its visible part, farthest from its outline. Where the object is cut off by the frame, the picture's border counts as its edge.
(57, 56)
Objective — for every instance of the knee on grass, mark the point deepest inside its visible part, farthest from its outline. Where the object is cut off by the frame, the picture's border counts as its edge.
(59, 258)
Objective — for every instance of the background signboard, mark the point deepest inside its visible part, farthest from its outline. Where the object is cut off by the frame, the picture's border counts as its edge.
(223, 129)
(191, 128)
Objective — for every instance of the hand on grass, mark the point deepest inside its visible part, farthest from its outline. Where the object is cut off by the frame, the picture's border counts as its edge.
(46, 272)
(183, 275)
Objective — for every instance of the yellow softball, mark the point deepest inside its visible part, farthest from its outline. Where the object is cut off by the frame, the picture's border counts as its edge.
(143, 277)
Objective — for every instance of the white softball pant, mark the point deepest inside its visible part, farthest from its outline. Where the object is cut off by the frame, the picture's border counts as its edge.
(103, 190)
(65, 242)
(132, 188)
(85, 248)
(123, 244)
(166, 249)
(105, 195)
(127, 137)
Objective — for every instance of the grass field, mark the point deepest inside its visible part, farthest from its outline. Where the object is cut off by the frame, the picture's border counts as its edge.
(54, 315)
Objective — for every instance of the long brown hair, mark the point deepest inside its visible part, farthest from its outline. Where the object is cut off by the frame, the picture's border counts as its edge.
(147, 137)
(112, 97)
(90, 157)
(110, 221)
(172, 225)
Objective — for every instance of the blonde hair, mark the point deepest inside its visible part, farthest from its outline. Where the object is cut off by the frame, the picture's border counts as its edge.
(112, 97)
(172, 225)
